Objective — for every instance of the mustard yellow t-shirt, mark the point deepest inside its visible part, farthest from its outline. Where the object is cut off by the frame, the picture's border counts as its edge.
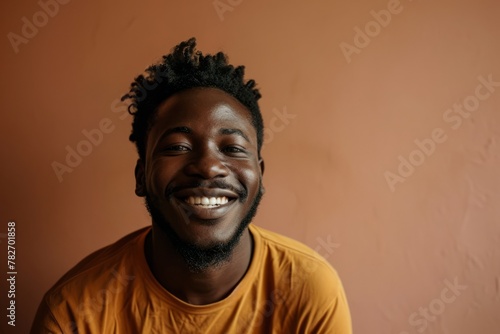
(288, 288)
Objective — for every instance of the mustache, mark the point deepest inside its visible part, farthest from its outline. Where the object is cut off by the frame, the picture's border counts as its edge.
(218, 184)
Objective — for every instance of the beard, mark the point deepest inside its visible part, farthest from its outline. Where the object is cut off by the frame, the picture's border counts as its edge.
(199, 258)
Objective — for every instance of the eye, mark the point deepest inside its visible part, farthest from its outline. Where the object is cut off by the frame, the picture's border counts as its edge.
(175, 149)
(234, 150)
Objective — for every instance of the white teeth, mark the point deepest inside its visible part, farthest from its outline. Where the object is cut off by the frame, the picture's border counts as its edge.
(207, 201)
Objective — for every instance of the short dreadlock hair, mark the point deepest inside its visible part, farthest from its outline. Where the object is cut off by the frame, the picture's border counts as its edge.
(185, 68)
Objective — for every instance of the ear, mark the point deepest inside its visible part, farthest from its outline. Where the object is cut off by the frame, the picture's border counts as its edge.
(140, 179)
(261, 164)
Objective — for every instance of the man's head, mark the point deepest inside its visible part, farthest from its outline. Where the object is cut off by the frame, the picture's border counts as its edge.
(198, 131)
(182, 69)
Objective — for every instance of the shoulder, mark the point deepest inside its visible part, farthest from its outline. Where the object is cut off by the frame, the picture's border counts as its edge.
(307, 287)
(304, 266)
(281, 242)
(86, 290)
(103, 268)
(288, 249)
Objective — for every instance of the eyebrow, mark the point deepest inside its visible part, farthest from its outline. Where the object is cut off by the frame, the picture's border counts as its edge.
(223, 131)
(233, 132)
(178, 129)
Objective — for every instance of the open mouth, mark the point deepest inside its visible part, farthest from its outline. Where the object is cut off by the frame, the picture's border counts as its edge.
(206, 202)
(202, 204)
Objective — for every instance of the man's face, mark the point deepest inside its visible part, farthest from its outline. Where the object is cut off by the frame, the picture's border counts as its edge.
(202, 174)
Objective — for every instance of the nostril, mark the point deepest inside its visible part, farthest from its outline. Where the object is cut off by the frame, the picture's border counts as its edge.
(206, 168)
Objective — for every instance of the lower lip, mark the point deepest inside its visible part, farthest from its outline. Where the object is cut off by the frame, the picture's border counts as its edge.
(199, 212)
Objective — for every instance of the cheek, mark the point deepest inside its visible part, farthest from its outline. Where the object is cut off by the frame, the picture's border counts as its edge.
(250, 178)
(156, 177)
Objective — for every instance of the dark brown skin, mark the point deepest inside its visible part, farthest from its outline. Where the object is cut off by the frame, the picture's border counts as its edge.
(206, 153)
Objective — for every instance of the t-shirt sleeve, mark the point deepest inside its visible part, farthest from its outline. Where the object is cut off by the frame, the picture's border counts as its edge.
(322, 302)
(45, 322)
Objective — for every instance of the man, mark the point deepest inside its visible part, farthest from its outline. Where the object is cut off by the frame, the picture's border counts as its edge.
(201, 267)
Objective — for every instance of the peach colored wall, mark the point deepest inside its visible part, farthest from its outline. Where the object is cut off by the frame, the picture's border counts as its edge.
(358, 102)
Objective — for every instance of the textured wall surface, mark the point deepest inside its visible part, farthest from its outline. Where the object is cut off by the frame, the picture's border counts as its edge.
(382, 143)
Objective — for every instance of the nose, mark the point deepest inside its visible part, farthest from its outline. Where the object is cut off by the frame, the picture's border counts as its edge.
(206, 164)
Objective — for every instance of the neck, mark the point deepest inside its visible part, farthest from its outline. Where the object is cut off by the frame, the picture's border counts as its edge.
(200, 288)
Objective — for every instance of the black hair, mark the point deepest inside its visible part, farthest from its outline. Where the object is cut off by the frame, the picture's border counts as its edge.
(184, 68)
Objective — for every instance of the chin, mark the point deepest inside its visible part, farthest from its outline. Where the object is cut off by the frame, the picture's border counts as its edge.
(204, 243)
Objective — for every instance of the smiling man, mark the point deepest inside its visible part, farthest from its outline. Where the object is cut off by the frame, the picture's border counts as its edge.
(201, 267)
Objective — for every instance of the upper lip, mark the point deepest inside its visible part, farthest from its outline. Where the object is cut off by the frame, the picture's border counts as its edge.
(205, 192)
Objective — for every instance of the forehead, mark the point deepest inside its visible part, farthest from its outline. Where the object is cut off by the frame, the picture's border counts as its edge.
(203, 110)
